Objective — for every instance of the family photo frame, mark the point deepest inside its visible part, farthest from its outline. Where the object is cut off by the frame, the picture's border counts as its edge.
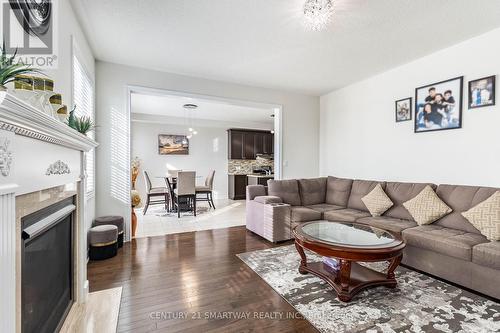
(403, 109)
(481, 92)
(438, 106)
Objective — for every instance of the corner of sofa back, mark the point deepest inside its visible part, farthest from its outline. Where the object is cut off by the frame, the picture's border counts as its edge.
(461, 198)
(338, 191)
(312, 191)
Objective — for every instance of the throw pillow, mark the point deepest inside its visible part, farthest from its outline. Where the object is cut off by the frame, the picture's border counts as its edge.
(427, 207)
(377, 201)
(485, 217)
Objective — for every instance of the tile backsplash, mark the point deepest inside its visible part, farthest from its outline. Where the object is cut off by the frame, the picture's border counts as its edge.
(246, 166)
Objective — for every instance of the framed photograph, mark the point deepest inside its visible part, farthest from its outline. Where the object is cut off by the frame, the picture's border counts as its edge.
(482, 92)
(438, 106)
(169, 144)
(403, 109)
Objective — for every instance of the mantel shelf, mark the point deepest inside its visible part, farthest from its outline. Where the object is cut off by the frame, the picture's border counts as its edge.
(23, 119)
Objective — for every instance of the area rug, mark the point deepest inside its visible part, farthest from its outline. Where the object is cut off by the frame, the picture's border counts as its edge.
(419, 304)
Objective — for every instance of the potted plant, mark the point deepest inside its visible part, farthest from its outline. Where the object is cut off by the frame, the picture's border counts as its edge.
(10, 69)
(83, 124)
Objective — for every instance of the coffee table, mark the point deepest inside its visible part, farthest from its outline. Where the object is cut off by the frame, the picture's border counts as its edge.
(349, 243)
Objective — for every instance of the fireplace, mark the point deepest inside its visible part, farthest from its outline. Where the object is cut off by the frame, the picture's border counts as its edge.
(47, 267)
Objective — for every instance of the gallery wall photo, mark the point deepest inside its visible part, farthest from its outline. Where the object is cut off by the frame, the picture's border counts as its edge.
(438, 106)
(481, 92)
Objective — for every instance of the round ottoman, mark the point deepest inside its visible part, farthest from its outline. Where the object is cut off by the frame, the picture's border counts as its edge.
(103, 241)
(114, 220)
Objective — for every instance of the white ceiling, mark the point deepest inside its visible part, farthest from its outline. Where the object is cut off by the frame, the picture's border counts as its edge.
(263, 42)
(172, 106)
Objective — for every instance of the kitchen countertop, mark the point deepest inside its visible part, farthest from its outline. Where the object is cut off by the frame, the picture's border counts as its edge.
(261, 176)
(257, 175)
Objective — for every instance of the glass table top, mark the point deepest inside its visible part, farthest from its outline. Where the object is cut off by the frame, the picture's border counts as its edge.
(347, 234)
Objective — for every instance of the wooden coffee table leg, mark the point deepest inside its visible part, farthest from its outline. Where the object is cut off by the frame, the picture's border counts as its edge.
(392, 267)
(345, 280)
(303, 259)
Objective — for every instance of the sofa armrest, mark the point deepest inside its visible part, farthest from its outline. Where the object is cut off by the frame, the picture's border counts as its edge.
(269, 220)
(255, 191)
(268, 199)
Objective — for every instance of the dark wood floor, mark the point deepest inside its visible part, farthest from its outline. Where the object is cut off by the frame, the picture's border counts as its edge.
(193, 274)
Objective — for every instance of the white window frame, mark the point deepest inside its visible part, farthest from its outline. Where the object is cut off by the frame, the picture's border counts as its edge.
(89, 156)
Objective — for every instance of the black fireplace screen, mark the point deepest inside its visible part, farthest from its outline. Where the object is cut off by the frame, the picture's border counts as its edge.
(46, 291)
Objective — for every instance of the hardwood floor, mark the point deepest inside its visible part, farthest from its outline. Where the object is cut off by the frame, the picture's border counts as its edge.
(169, 279)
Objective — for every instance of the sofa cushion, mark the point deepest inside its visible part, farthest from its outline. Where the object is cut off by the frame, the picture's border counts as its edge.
(400, 193)
(267, 199)
(304, 214)
(359, 189)
(485, 217)
(461, 198)
(324, 207)
(426, 207)
(377, 201)
(287, 190)
(338, 190)
(312, 191)
(345, 215)
(487, 254)
(387, 223)
(451, 242)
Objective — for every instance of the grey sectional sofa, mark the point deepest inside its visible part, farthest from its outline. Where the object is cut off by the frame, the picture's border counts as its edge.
(450, 248)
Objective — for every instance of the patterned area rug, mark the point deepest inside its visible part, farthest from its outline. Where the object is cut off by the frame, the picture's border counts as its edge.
(419, 304)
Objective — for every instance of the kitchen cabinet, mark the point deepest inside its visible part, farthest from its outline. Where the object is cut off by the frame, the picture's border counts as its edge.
(268, 143)
(247, 144)
(237, 187)
(235, 144)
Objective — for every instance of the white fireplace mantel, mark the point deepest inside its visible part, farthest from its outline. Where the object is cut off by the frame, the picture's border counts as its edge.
(23, 119)
(37, 152)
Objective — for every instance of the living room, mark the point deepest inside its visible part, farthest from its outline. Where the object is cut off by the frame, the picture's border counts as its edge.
(384, 211)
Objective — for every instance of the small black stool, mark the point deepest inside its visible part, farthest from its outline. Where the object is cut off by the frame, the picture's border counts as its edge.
(103, 242)
(113, 220)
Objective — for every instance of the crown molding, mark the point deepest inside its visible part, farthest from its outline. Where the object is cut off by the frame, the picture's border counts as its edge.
(23, 119)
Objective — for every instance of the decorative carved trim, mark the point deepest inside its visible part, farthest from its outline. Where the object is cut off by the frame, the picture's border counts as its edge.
(5, 157)
(23, 119)
(58, 168)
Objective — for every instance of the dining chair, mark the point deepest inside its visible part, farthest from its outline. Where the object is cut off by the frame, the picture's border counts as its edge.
(153, 192)
(185, 192)
(207, 189)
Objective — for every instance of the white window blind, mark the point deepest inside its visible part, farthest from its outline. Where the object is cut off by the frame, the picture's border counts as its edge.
(83, 98)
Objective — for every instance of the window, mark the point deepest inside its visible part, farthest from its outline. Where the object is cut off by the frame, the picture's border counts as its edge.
(83, 98)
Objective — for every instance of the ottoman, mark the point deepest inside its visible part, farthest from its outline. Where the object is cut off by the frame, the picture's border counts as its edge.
(114, 220)
(103, 241)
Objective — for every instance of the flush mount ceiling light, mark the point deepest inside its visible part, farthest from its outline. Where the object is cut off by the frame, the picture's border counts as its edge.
(317, 14)
(190, 106)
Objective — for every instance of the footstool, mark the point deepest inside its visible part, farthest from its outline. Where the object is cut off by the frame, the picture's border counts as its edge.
(114, 220)
(103, 241)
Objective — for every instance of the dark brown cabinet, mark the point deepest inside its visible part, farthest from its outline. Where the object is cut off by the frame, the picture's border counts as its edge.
(237, 187)
(235, 144)
(246, 144)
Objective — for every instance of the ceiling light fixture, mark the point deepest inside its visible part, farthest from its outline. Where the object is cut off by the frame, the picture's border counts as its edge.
(317, 14)
(188, 114)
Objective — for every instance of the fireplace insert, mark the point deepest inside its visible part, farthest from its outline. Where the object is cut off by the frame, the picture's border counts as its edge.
(47, 267)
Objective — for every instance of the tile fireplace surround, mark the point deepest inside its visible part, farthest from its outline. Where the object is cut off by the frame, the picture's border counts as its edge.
(42, 162)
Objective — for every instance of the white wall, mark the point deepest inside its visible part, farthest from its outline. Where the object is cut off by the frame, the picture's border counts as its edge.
(300, 125)
(360, 139)
(207, 150)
